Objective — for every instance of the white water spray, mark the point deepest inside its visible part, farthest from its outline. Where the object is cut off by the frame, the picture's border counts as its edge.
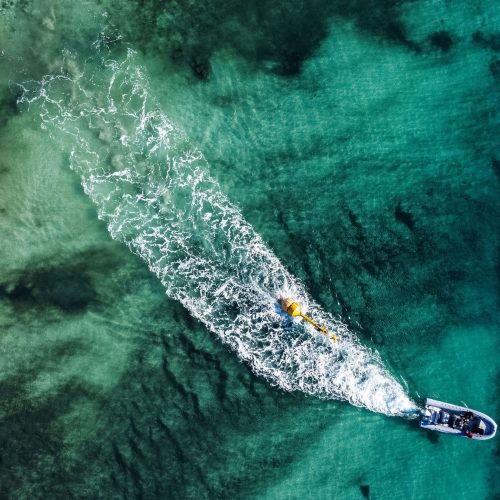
(153, 189)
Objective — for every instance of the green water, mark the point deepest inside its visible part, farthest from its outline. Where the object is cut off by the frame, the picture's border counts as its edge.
(361, 143)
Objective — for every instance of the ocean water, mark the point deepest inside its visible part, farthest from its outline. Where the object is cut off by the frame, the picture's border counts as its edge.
(168, 170)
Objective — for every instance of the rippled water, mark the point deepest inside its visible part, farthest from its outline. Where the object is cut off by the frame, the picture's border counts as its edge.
(153, 189)
(340, 153)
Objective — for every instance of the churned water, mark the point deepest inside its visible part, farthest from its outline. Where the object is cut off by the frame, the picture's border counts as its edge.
(231, 154)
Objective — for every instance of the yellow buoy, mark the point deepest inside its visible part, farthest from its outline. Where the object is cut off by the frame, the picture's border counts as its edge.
(293, 308)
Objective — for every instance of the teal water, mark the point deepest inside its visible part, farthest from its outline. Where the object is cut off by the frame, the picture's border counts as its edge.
(342, 152)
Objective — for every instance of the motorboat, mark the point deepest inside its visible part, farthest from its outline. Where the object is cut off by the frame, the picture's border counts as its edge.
(458, 420)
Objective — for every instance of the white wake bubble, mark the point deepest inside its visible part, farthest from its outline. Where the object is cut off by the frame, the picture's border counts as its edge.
(153, 189)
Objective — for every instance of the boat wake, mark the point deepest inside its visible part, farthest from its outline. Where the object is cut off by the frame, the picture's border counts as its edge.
(153, 189)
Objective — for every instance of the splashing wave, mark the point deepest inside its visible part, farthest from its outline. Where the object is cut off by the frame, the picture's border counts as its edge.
(153, 189)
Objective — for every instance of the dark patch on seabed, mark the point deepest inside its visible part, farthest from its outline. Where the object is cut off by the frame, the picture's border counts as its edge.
(279, 35)
(365, 490)
(495, 69)
(66, 286)
(404, 217)
(69, 289)
(442, 40)
(490, 41)
(495, 165)
(8, 108)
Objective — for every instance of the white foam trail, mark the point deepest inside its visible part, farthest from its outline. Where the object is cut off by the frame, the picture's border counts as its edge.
(153, 189)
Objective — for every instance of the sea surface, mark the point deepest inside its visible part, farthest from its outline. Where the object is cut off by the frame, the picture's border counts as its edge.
(170, 170)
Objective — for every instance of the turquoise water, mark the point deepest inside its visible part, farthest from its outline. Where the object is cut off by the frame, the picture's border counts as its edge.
(338, 152)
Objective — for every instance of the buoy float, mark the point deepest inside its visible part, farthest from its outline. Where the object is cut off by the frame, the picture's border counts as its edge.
(293, 308)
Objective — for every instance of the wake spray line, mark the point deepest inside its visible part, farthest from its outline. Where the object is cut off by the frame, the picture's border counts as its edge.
(153, 189)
